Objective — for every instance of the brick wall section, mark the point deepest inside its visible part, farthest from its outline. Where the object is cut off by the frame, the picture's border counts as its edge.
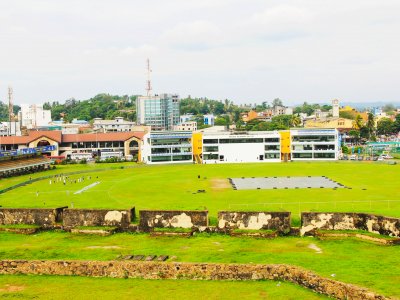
(97, 217)
(193, 271)
(172, 219)
(31, 216)
(279, 221)
(349, 221)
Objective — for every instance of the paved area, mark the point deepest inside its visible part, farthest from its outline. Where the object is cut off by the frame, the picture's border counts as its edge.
(269, 183)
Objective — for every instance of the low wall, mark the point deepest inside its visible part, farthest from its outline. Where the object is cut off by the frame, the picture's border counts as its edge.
(97, 217)
(172, 219)
(279, 221)
(45, 217)
(193, 271)
(310, 221)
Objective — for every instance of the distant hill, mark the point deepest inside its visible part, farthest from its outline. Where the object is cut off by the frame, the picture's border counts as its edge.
(363, 105)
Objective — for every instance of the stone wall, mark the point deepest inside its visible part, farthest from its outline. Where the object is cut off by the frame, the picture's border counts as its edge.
(97, 217)
(193, 271)
(45, 217)
(310, 221)
(279, 221)
(172, 219)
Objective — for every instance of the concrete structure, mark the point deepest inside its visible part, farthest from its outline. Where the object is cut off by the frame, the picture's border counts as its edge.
(10, 128)
(45, 217)
(167, 147)
(320, 144)
(75, 127)
(341, 124)
(335, 108)
(226, 147)
(186, 118)
(32, 116)
(256, 220)
(281, 110)
(311, 221)
(186, 126)
(189, 271)
(150, 219)
(161, 112)
(209, 120)
(98, 217)
(116, 125)
(236, 147)
(85, 145)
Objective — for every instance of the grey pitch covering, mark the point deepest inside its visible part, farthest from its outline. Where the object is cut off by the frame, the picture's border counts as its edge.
(265, 183)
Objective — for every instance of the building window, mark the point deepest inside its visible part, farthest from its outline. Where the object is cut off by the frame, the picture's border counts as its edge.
(210, 156)
(211, 149)
(302, 155)
(324, 155)
(271, 140)
(210, 141)
(272, 155)
(272, 147)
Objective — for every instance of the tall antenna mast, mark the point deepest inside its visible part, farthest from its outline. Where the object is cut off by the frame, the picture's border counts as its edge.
(148, 83)
(10, 108)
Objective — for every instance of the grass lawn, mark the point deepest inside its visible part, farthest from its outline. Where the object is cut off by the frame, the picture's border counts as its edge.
(59, 287)
(175, 187)
(373, 266)
(374, 189)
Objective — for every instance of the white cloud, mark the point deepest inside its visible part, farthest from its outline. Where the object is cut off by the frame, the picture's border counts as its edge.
(197, 35)
(245, 50)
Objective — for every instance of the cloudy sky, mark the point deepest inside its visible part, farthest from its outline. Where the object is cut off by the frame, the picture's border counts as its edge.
(248, 51)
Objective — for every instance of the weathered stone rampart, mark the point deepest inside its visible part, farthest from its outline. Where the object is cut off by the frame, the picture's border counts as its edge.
(193, 271)
(97, 217)
(311, 221)
(33, 216)
(172, 219)
(255, 220)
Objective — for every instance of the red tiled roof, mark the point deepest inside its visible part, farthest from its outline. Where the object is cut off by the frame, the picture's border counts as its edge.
(54, 135)
(70, 138)
(101, 137)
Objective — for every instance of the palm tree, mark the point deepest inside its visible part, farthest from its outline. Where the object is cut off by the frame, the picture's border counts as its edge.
(371, 124)
(295, 121)
(358, 122)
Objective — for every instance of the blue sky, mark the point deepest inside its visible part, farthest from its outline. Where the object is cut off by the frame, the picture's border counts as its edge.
(246, 51)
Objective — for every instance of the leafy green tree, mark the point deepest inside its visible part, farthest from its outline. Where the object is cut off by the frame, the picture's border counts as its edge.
(219, 121)
(358, 122)
(355, 135)
(370, 125)
(295, 121)
(396, 124)
(346, 115)
(385, 126)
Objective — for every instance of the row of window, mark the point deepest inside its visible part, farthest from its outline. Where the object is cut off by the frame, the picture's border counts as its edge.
(170, 141)
(240, 140)
(266, 147)
(313, 138)
(215, 156)
(312, 147)
(313, 155)
(183, 157)
(171, 150)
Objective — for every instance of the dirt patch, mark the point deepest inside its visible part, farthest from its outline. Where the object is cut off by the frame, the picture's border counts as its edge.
(12, 288)
(218, 183)
(103, 247)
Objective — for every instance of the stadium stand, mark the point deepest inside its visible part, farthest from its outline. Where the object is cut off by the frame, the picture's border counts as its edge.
(28, 160)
